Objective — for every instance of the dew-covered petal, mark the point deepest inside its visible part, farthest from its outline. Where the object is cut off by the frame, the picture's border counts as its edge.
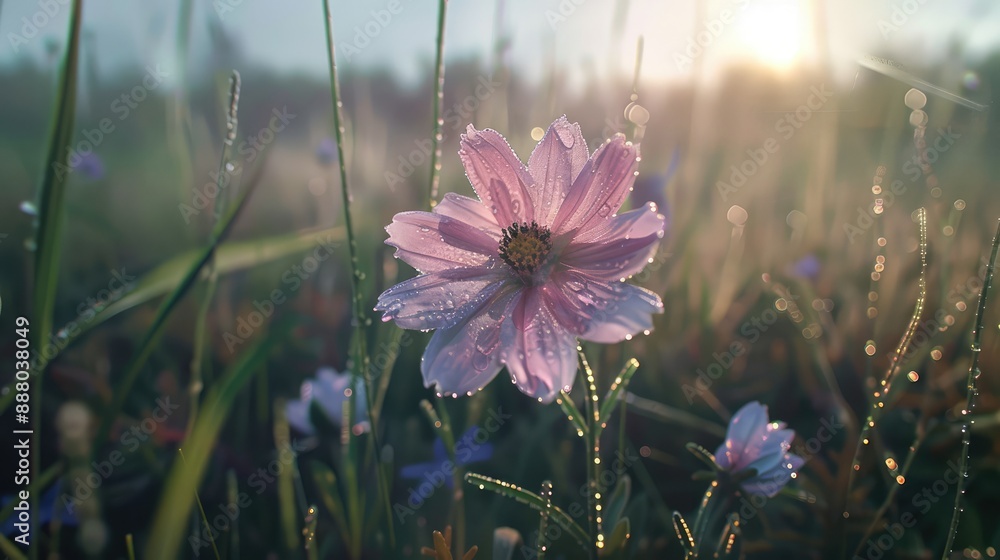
(619, 247)
(600, 188)
(771, 481)
(463, 358)
(440, 299)
(431, 242)
(622, 310)
(497, 175)
(554, 164)
(539, 353)
(598, 310)
(470, 211)
(766, 445)
(747, 421)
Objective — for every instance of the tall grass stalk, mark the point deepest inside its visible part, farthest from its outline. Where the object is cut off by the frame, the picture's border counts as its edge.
(970, 398)
(921, 431)
(48, 237)
(201, 321)
(362, 364)
(882, 391)
(438, 106)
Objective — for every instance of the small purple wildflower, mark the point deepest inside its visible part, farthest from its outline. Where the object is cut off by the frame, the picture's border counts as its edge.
(754, 442)
(90, 166)
(807, 267)
(330, 390)
(467, 451)
(326, 151)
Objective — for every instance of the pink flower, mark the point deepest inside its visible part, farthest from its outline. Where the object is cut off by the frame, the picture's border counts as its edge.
(754, 442)
(515, 278)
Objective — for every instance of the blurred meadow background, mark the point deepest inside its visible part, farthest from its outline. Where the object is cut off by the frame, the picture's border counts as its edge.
(777, 136)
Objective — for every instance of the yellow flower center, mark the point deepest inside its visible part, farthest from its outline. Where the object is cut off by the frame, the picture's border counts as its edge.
(525, 247)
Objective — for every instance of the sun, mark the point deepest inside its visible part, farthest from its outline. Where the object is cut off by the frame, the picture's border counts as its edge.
(772, 32)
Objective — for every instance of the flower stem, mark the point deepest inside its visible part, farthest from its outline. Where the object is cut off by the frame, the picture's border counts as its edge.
(882, 392)
(972, 391)
(458, 477)
(543, 521)
(197, 382)
(592, 442)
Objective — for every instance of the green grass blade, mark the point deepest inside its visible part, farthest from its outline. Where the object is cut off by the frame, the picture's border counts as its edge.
(349, 465)
(390, 341)
(198, 361)
(229, 257)
(12, 551)
(288, 513)
(53, 188)
(543, 520)
(438, 106)
(130, 546)
(672, 415)
(159, 322)
(312, 547)
(170, 520)
(532, 500)
(48, 235)
(360, 314)
(233, 491)
(326, 482)
(972, 391)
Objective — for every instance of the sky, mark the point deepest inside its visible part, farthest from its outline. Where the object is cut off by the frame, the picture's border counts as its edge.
(583, 37)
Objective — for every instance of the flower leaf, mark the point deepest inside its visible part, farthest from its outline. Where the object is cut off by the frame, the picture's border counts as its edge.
(615, 506)
(619, 385)
(565, 401)
(534, 501)
(704, 455)
(683, 532)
